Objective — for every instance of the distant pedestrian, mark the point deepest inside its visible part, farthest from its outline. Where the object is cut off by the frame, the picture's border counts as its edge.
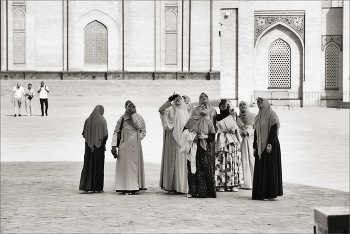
(267, 182)
(29, 94)
(173, 172)
(95, 133)
(245, 122)
(43, 91)
(17, 95)
(130, 172)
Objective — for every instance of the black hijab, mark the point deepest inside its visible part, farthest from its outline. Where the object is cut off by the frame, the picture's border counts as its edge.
(223, 113)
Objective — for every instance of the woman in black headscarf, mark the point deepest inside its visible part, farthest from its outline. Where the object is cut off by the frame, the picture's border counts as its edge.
(95, 133)
(228, 165)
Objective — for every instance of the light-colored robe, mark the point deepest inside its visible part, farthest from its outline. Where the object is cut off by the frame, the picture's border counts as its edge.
(248, 159)
(130, 172)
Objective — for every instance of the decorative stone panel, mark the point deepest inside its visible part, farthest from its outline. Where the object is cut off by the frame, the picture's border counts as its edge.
(96, 43)
(15, 7)
(332, 57)
(263, 22)
(279, 65)
(337, 39)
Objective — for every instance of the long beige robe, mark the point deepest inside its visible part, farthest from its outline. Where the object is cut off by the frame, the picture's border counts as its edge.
(130, 172)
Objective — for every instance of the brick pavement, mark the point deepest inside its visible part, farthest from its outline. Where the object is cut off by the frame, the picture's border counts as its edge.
(40, 172)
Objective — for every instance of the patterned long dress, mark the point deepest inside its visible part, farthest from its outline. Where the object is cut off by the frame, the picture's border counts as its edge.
(202, 183)
(228, 162)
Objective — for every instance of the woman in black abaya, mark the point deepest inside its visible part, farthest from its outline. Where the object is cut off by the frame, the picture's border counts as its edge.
(95, 133)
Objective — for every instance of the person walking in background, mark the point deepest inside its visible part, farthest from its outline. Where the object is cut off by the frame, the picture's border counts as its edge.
(43, 91)
(188, 102)
(29, 94)
(267, 182)
(130, 172)
(95, 133)
(245, 122)
(228, 164)
(17, 94)
(200, 170)
(173, 172)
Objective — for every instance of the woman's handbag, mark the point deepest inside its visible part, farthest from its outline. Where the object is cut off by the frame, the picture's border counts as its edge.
(119, 134)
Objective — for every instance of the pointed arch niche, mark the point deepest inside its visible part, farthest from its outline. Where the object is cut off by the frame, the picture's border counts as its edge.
(77, 47)
(275, 29)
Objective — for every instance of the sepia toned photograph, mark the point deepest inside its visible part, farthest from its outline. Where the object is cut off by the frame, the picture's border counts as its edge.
(184, 116)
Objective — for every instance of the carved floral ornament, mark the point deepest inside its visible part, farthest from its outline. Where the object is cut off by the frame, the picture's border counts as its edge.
(294, 21)
(337, 39)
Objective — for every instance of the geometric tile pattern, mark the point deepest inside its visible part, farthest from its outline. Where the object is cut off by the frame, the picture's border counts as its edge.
(263, 22)
(18, 20)
(18, 47)
(332, 67)
(19, 37)
(96, 42)
(170, 38)
(279, 64)
(170, 48)
(337, 39)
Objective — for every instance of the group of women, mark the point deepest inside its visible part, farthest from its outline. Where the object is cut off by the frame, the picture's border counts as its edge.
(203, 152)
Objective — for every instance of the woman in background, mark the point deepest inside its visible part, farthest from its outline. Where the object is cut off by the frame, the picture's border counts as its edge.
(245, 122)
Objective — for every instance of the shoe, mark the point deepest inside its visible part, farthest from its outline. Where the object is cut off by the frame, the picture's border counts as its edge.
(189, 195)
(15, 115)
(19, 115)
(235, 189)
(221, 190)
(42, 115)
(46, 114)
(28, 114)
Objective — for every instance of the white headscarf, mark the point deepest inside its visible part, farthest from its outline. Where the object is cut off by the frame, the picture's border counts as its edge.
(175, 118)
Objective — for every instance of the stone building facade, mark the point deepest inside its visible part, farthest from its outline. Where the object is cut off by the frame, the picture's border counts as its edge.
(282, 49)
(291, 52)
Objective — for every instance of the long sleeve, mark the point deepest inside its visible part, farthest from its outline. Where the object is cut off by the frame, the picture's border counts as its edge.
(139, 124)
(214, 114)
(272, 134)
(255, 145)
(115, 133)
(164, 106)
(211, 137)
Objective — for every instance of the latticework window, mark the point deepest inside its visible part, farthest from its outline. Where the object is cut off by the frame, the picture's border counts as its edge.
(332, 55)
(19, 37)
(96, 43)
(170, 38)
(279, 65)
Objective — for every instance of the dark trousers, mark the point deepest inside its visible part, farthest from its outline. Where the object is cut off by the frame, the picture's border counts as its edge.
(44, 101)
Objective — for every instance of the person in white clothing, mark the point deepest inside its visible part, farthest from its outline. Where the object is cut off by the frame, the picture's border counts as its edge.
(29, 94)
(43, 91)
(18, 93)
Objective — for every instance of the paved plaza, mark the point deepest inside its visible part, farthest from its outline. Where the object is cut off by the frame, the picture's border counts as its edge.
(42, 158)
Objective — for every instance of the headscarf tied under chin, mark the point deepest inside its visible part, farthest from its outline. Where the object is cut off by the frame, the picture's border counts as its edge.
(95, 128)
(127, 103)
(265, 118)
(201, 124)
(245, 117)
(175, 118)
(196, 110)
